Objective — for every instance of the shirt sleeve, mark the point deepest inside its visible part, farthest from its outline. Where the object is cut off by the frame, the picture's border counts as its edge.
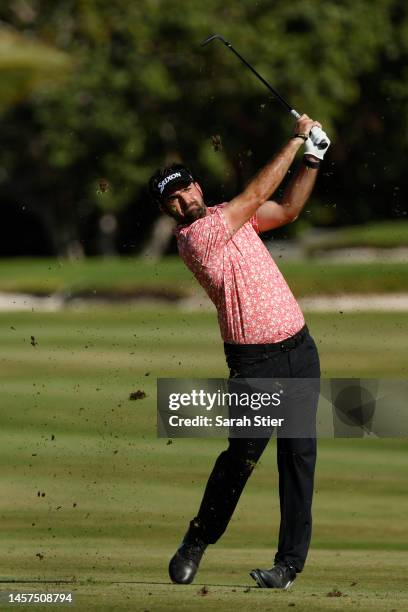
(254, 222)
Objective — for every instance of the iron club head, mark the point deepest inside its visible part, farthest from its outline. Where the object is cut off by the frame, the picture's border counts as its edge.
(214, 37)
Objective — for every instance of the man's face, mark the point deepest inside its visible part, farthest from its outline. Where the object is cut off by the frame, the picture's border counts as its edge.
(185, 203)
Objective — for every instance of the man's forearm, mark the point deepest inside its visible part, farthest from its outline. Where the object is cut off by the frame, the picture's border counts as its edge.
(268, 179)
(241, 208)
(298, 190)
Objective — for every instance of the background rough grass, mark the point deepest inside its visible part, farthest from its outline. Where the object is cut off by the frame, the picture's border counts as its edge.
(124, 276)
(384, 235)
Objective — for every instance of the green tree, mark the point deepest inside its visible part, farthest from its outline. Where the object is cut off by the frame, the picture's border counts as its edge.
(27, 66)
(144, 92)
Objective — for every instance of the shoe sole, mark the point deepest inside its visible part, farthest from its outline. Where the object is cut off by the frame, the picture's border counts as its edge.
(261, 583)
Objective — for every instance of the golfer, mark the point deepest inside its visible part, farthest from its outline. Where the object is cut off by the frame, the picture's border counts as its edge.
(264, 336)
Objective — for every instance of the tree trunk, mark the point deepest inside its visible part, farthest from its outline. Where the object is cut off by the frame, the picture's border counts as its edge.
(160, 238)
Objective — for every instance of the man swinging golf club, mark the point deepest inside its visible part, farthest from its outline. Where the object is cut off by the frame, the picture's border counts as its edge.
(264, 336)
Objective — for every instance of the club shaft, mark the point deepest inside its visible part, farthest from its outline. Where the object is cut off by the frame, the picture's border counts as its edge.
(260, 77)
(322, 144)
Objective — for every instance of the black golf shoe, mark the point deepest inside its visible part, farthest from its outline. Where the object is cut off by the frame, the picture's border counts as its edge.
(280, 576)
(184, 564)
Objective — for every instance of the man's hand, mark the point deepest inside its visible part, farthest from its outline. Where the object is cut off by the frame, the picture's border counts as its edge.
(312, 133)
(311, 144)
(304, 125)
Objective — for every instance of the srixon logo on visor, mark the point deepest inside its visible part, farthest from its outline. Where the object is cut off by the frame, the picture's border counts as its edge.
(169, 178)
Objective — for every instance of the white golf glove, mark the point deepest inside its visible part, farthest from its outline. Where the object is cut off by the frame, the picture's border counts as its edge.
(316, 136)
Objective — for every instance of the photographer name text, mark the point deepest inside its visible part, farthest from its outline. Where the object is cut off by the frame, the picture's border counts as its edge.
(220, 421)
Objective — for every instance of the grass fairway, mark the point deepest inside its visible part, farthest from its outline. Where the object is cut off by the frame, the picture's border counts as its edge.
(91, 496)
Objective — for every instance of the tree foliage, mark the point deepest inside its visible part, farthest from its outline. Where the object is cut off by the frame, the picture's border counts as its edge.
(27, 66)
(143, 92)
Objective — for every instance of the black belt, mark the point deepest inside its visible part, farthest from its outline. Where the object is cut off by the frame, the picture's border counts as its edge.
(254, 349)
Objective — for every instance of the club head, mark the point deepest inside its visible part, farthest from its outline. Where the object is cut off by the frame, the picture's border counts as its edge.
(214, 37)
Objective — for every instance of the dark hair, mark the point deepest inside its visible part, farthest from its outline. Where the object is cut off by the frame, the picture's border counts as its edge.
(161, 174)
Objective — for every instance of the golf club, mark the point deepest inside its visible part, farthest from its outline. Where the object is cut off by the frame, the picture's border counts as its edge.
(321, 145)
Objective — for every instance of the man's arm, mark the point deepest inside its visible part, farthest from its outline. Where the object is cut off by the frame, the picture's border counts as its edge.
(240, 209)
(271, 214)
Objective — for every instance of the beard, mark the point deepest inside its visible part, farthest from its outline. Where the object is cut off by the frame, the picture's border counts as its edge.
(196, 210)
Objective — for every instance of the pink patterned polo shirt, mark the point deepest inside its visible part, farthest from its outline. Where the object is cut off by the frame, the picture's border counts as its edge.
(253, 301)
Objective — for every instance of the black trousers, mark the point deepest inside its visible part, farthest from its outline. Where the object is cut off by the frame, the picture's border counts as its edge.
(296, 457)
